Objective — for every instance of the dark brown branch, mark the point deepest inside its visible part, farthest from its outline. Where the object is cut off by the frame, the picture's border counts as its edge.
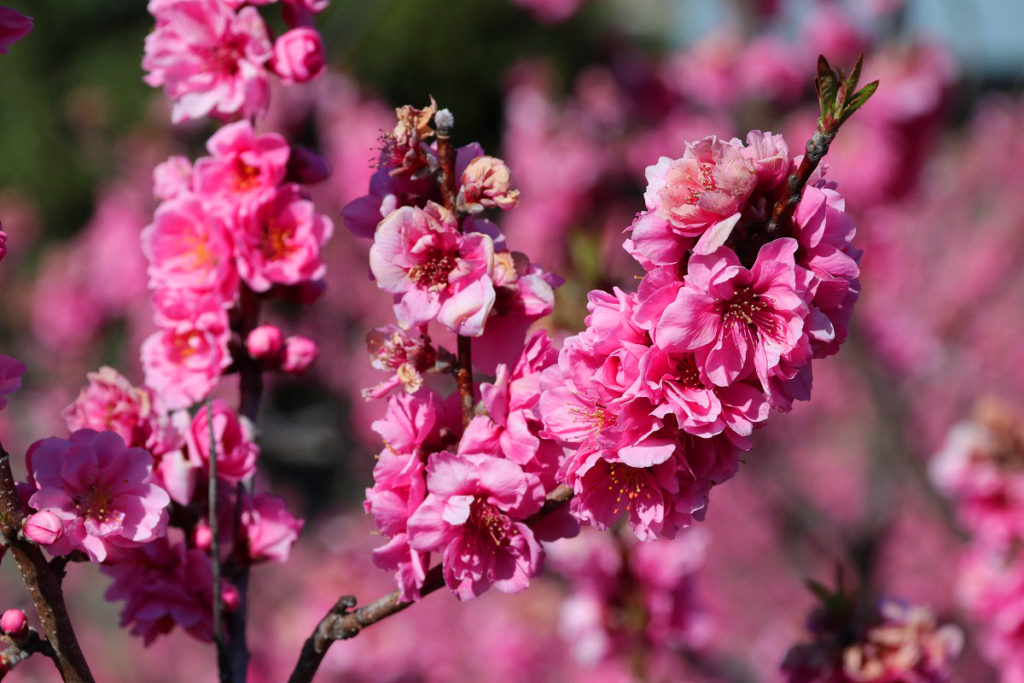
(250, 395)
(21, 650)
(449, 192)
(817, 148)
(43, 584)
(343, 622)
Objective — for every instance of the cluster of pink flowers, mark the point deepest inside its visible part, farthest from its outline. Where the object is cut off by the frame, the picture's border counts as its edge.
(664, 385)
(215, 57)
(235, 222)
(893, 643)
(981, 468)
(464, 486)
(628, 596)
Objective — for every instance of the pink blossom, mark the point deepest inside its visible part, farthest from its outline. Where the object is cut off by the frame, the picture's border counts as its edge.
(13, 27)
(111, 403)
(270, 529)
(298, 56)
(279, 239)
(487, 183)
(183, 361)
(236, 451)
(44, 528)
(190, 248)
(101, 492)
(473, 516)
(208, 59)
(735, 320)
(393, 350)
(265, 342)
(299, 354)
(433, 270)
(3, 242)
(14, 624)
(420, 423)
(164, 586)
(242, 164)
(11, 371)
(172, 177)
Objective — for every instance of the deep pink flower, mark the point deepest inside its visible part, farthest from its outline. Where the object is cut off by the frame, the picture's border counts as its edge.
(236, 451)
(473, 516)
(13, 27)
(190, 248)
(279, 238)
(420, 423)
(735, 320)
(241, 163)
(101, 492)
(111, 402)
(299, 353)
(164, 586)
(270, 529)
(11, 371)
(434, 271)
(208, 59)
(183, 361)
(298, 56)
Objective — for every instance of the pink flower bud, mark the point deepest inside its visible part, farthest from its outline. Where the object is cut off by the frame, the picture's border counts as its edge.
(202, 537)
(299, 354)
(307, 167)
(298, 56)
(487, 183)
(15, 624)
(44, 528)
(231, 597)
(265, 341)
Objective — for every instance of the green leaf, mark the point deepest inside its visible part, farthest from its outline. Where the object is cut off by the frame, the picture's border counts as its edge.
(826, 86)
(851, 83)
(820, 590)
(858, 100)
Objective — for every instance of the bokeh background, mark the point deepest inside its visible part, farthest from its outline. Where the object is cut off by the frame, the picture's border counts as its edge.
(578, 96)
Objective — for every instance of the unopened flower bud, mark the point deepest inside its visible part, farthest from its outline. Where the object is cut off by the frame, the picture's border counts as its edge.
(299, 56)
(43, 528)
(266, 341)
(299, 354)
(231, 597)
(307, 167)
(487, 183)
(202, 537)
(15, 624)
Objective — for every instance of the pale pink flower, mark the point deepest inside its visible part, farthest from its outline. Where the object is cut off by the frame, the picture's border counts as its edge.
(101, 491)
(11, 371)
(298, 56)
(164, 586)
(487, 183)
(735, 320)
(393, 350)
(190, 248)
(434, 271)
(241, 164)
(237, 453)
(183, 361)
(279, 238)
(270, 529)
(473, 516)
(208, 59)
(13, 27)
(172, 177)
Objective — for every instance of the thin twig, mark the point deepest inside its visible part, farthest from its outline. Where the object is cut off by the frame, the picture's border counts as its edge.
(43, 584)
(223, 653)
(343, 622)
